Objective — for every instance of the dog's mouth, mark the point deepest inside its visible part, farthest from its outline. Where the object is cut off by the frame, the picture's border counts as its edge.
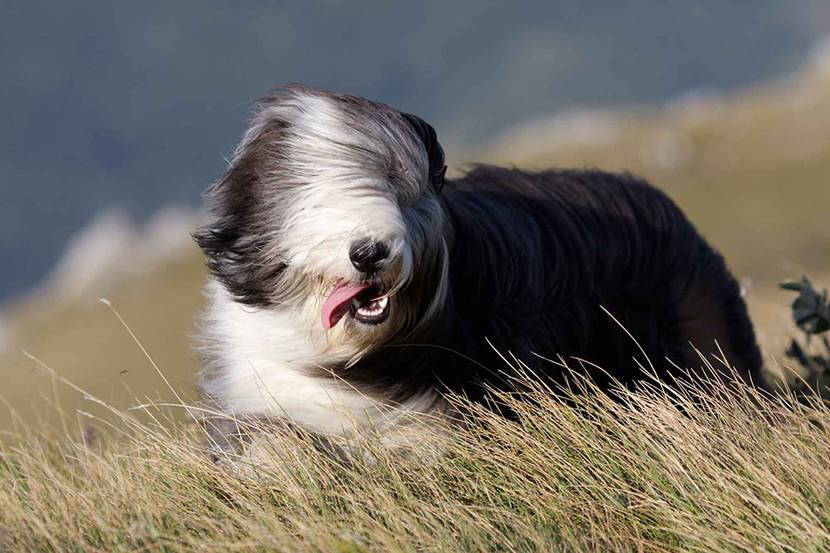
(365, 303)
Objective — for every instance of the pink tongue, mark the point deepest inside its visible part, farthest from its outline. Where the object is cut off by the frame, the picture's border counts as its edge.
(338, 302)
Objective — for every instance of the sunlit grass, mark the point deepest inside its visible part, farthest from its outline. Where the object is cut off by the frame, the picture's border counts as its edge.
(714, 467)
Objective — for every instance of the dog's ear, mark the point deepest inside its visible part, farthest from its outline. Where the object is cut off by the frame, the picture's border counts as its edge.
(237, 253)
(435, 153)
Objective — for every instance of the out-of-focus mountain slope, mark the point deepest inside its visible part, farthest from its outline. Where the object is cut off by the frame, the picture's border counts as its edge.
(80, 338)
(751, 170)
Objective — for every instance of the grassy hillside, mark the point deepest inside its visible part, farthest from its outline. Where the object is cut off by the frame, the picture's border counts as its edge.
(84, 342)
(751, 170)
(728, 472)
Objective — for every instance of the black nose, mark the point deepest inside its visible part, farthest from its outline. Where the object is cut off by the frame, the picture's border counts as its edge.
(367, 255)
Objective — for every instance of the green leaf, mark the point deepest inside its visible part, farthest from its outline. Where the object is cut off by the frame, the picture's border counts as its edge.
(811, 312)
(794, 286)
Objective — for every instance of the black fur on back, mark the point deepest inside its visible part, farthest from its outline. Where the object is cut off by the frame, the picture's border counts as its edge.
(570, 264)
(535, 258)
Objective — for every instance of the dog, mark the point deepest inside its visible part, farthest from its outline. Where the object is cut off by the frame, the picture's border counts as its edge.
(352, 282)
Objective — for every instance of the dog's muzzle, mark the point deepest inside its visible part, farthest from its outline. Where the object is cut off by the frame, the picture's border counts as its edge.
(366, 303)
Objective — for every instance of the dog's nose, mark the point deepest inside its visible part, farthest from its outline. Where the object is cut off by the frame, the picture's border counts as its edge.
(366, 255)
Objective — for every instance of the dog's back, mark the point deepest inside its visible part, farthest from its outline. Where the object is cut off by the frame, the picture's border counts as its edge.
(593, 266)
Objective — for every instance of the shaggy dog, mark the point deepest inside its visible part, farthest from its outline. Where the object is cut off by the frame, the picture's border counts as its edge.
(352, 282)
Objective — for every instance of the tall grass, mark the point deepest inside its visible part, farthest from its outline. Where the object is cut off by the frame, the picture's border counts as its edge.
(715, 467)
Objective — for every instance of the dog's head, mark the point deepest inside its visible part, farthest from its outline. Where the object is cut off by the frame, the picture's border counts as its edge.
(332, 207)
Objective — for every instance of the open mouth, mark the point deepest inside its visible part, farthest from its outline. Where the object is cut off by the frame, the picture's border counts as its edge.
(370, 306)
(365, 303)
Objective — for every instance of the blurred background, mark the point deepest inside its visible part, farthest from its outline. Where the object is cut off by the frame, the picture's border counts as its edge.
(114, 117)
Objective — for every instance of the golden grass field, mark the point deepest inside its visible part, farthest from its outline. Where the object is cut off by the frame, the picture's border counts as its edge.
(718, 469)
(729, 473)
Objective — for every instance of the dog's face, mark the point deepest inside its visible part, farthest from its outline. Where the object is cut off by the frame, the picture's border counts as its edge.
(331, 208)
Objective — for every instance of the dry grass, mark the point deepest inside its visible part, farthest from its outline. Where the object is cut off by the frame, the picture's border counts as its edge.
(714, 468)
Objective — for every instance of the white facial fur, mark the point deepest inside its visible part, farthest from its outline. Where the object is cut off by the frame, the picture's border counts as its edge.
(339, 203)
(260, 361)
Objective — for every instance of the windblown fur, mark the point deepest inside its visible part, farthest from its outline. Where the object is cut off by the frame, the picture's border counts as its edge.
(561, 264)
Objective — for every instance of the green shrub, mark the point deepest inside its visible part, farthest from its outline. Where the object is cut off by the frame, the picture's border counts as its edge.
(811, 314)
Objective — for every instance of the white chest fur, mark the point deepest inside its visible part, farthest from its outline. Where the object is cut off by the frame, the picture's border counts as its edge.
(259, 367)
